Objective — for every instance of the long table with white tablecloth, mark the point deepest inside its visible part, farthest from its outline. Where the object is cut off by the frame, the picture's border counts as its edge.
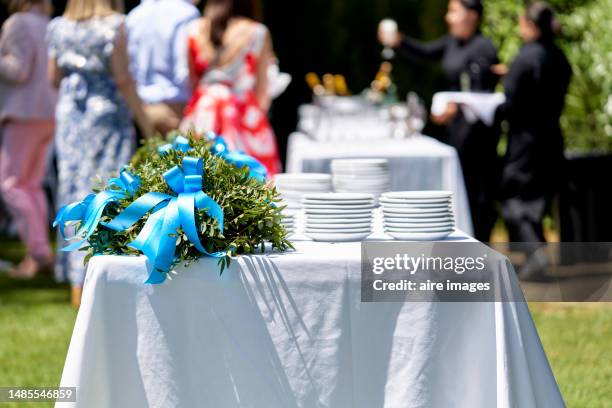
(290, 330)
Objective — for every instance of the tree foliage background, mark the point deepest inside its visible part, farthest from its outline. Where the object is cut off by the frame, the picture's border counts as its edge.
(587, 42)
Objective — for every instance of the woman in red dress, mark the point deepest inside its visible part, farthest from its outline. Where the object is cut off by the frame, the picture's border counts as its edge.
(229, 54)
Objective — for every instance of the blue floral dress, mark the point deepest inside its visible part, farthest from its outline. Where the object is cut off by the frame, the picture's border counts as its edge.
(94, 131)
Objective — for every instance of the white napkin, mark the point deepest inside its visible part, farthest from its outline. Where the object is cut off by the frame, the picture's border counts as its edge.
(474, 105)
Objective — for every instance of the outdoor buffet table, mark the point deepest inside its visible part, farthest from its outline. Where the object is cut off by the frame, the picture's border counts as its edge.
(289, 330)
(416, 163)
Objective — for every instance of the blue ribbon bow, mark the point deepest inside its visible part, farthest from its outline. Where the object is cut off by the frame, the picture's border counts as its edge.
(238, 158)
(89, 211)
(168, 213)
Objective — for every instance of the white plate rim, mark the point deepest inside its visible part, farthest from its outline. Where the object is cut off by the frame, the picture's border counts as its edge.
(414, 205)
(324, 237)
(417, 225)
(364, 211)
(338, 196)
(368, 216)
(339, 231)
(338, 225)
(415, 210)
(339, 207)
(417, 229)
(414, 200)
(419, 194)
(433, 236)
(417, 220)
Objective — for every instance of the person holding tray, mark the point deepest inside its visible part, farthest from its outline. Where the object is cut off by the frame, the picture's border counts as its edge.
(468, 60)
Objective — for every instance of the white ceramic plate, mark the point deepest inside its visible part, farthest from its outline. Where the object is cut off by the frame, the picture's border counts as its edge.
(340, 219)
(338, 196)
(419, 229)
(349, 202)
(415, 200)
(442, 211)
(414, 218)
(415, 205)
(418, 194)
(335, 237)
(337, 207)
(423, 236)
(419, 225)
(338, 226)
(309, 204)
(336, 230)
(363, 212)
(367, 216)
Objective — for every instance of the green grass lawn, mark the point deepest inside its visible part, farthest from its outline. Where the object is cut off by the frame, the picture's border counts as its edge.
(36, 323)
(577, 338)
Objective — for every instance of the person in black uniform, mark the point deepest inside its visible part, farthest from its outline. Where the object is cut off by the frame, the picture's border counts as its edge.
(535, 89)
(467, 60)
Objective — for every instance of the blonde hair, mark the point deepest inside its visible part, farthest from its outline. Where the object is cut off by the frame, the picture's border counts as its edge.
(86, 9)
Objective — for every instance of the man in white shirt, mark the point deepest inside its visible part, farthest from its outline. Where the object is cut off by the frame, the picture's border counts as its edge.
(157, 44)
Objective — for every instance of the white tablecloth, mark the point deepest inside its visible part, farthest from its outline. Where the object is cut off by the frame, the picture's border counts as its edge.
(289, 330)
(417, 163)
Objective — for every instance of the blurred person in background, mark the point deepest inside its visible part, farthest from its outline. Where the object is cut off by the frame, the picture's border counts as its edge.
(97, 95)
(27, 106)
(535, 89)
(468, 60)
(157, 45)
(229, 54)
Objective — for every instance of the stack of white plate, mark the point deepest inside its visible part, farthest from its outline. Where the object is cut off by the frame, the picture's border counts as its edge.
(361, 176)
(338, 217)
(288, 221)
(293, 185)
(418, 215)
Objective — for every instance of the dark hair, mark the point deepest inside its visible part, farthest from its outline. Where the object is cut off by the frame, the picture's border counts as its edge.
(473, 5)
(543, 16)
(221, 11)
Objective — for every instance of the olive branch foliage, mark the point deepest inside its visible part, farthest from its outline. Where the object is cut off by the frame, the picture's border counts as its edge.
(252, 214)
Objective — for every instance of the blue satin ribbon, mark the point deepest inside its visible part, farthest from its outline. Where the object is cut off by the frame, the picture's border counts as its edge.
(90, 210)
(168, 213)
(238, 158)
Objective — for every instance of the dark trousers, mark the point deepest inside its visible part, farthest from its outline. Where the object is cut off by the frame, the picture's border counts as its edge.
(523, 220)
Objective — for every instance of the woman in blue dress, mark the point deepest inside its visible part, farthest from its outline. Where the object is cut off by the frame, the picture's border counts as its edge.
(88, 62)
